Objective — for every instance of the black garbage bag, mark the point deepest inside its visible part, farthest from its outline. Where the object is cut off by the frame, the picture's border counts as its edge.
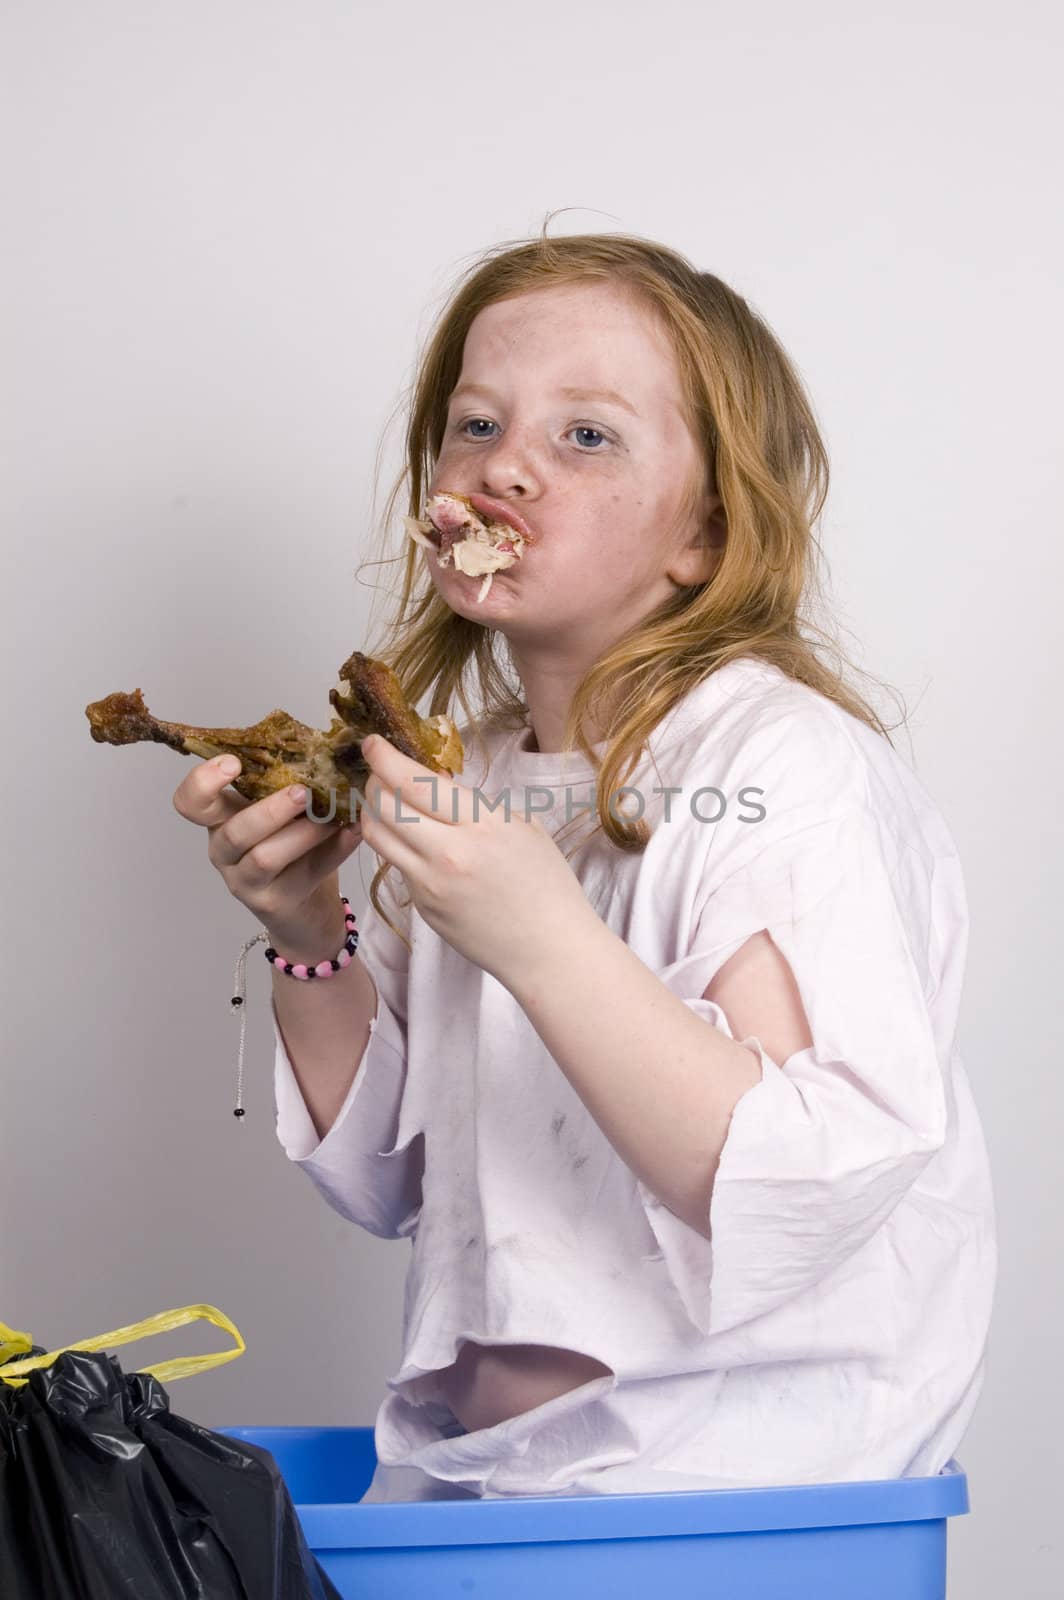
(105, 1493)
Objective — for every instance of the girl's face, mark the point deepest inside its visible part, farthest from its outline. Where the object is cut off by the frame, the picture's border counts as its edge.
(597, 477)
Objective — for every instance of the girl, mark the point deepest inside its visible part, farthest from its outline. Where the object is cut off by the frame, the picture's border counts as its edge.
(653, 1060)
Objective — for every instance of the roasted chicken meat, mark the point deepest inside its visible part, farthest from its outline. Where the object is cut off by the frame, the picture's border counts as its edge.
(478, 545)
(279, 751)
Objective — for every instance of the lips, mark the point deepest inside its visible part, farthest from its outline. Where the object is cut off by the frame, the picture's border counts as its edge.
(468, 532)
(499, 511)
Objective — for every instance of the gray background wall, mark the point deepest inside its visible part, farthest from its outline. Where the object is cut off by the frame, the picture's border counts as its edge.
(227, 229)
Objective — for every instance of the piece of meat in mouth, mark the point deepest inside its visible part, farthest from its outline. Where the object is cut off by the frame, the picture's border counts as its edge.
(473, 542)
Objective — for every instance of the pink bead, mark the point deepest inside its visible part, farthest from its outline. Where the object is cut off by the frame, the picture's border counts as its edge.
(299, 971)
(344, 958)
(324, 969)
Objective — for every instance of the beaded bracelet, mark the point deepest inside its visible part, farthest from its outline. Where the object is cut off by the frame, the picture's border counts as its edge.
(324, 969)
(298, 969)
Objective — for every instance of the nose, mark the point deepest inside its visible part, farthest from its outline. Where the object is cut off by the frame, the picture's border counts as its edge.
(507, 468)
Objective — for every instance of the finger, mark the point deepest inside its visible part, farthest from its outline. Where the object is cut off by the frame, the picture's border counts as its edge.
(391, 845)
(201, 796)
(404, 786)
(269, 857)
(296, 881)
(246, 832)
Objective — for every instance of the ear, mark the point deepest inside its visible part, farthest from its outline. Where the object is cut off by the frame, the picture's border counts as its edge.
(699, 559)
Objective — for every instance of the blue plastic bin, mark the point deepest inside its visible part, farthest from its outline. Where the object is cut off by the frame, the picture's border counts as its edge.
(882, 1540)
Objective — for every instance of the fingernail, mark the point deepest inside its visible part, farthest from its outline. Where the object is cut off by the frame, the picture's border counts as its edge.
(229, 765)
(297, 792)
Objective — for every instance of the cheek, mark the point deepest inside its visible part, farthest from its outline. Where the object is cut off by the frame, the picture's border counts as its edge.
(608, 563)
(627, 534)
(440, 471)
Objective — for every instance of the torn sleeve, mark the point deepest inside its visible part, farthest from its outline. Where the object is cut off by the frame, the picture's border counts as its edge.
(819, 1151)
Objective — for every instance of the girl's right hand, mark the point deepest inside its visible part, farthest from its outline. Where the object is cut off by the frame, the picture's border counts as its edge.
(273, 858)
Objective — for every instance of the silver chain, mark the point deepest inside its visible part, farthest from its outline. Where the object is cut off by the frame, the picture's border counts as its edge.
(238, 1007)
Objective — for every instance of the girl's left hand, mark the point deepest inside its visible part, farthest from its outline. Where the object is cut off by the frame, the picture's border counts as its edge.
(497, 889)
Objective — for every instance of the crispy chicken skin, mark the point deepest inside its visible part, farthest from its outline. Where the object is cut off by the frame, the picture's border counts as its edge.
(279, 750)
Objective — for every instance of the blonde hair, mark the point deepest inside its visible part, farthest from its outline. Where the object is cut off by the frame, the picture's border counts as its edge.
(762, 453)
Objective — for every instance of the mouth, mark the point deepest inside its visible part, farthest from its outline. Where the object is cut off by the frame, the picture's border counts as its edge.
(479, 535)
(499, 511)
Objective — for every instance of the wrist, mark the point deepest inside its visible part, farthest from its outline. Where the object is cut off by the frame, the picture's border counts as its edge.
(314, 939)
(553, 963)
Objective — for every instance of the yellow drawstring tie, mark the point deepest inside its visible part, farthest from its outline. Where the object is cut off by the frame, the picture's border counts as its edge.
(12, 1342)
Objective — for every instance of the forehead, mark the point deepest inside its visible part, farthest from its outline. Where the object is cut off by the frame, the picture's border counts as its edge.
(593, 334)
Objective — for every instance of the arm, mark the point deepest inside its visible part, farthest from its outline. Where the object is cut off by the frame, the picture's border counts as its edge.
(324, 1026)
(339, 1076)
(661, 1084)
(789, 1173)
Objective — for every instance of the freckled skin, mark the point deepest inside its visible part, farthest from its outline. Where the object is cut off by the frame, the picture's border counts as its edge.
(600, 489)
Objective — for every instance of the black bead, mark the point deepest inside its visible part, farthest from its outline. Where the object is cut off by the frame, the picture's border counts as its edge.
(236, 1001)
(271, 953)
(239, 1112)
(335, 966)
(312, 972)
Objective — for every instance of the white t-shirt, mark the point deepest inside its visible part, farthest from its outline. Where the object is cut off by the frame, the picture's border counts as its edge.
(835, 1327)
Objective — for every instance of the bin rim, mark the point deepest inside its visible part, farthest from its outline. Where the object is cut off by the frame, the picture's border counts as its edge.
(670, 1513)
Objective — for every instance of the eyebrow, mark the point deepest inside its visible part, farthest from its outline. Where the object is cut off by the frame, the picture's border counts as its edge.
(570, 393)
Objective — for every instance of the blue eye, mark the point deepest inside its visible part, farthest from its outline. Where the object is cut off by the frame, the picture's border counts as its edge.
(577, 428)
(580, 428)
